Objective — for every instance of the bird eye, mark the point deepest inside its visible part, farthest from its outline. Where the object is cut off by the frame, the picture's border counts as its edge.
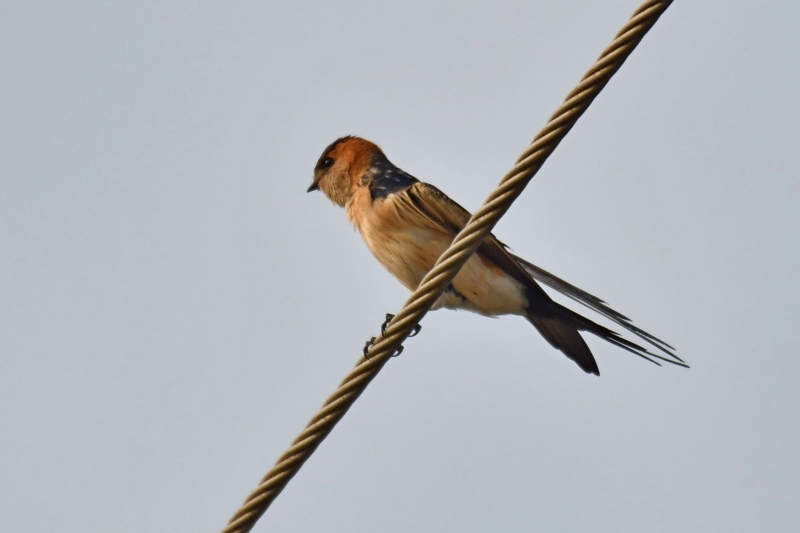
(327, 162)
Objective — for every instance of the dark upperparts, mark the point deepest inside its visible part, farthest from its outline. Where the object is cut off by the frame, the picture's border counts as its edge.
(387, 178)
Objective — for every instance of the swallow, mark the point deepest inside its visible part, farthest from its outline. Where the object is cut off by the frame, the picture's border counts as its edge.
(407, 224)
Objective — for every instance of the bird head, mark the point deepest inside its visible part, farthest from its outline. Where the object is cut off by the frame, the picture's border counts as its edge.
(343, 167)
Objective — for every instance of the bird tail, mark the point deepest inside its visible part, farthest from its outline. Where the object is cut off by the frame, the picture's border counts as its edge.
(561, 327)
(564, 337)
(598, 305)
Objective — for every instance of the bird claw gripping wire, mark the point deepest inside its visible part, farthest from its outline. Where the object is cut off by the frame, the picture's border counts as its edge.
(368, 345)
(389, 318)
(371, 341)
(385, 324)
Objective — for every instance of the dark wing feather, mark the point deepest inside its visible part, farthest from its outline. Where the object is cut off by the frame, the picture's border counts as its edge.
(438, 207)
(445, 213)
(595, 304)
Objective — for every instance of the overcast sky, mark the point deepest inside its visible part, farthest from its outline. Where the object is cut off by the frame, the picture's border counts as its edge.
(175, 307)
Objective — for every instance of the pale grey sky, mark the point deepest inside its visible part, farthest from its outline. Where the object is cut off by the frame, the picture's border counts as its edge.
(175, 306)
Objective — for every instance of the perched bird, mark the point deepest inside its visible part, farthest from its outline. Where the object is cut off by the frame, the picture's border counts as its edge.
(407, 224)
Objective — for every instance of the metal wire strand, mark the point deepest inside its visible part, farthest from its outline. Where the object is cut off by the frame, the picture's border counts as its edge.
(448, 265)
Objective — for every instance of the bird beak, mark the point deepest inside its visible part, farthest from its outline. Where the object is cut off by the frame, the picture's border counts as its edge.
(314, 186)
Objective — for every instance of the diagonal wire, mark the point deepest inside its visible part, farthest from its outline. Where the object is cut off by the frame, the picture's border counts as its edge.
(448, 265)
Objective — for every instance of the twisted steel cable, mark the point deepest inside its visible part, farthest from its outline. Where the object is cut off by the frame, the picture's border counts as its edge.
(448, 265)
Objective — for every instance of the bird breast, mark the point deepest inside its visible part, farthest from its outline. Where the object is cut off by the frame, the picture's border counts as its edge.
(406, 249)
(408, 244)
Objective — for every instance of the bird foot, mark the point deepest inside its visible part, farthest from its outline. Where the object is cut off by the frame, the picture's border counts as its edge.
(389, 318)
(368, 345)
(385, 324)
(371, 342)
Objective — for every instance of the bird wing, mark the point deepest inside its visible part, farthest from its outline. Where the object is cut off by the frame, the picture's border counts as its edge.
(448, 215)
(442, 212)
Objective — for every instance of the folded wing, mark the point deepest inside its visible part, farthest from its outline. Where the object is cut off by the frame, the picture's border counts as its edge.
(443, 212)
